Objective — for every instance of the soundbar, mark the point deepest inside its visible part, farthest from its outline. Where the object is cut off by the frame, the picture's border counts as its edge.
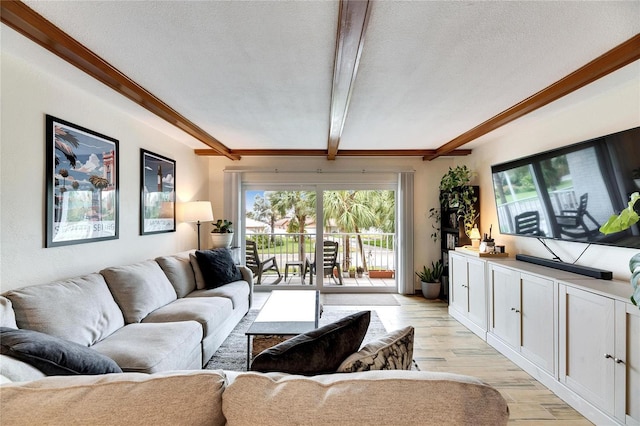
(569, 267)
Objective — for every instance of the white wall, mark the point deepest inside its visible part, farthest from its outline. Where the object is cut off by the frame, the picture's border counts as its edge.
(28, 93)
(607, 106)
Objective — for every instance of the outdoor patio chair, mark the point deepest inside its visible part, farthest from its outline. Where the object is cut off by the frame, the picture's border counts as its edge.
(528, 223)
(329, 262)
(572, 223)
(258, 266)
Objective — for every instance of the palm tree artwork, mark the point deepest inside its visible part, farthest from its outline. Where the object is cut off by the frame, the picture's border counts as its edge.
(99, 183)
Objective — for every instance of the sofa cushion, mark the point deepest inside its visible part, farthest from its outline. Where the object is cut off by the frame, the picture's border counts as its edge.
(172, 398)
(390, 397)
(210, 312)
(139, 288)
(80, 309)
(393, 351)
(7, 316)
(18, 371)
(52, 355)
(178, 270)
(217, 267)
(200, 283)
(155, 347)
(317, 352)
(238, 292)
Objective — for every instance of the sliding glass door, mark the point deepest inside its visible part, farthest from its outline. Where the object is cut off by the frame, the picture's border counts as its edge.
(323, 237)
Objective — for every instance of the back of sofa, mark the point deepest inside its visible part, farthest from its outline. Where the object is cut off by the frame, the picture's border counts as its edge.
(80, 309)
(171, 398)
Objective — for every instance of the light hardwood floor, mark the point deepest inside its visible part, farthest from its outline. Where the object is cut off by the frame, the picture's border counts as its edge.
(443, 344)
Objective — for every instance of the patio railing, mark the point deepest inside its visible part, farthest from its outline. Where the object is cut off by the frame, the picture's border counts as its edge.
(371, 251)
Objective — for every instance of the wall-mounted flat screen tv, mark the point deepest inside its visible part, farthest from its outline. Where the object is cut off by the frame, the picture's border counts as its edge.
(568, 193)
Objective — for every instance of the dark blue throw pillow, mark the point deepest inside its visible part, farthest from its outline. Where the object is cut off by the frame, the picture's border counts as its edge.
(52, 355)
(217, 267)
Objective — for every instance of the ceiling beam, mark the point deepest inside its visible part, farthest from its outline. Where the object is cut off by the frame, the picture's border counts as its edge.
(352, 24)
(342, 153)
(32, 25)
(614, 59)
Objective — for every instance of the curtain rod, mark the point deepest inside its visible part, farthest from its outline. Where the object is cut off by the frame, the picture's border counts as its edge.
(316, 171)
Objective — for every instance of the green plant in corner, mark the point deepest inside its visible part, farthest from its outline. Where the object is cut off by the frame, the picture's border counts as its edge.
(222, 226)
(456, 191)
(434, 214)
(433, 274)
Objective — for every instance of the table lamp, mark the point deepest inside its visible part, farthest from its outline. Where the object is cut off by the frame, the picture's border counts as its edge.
(475, 237)
(197, 211)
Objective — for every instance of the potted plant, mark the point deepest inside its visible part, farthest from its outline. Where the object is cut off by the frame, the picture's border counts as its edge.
(456, 192)
(430, 279)
(359, 271)
(352, 272)
(222, 233)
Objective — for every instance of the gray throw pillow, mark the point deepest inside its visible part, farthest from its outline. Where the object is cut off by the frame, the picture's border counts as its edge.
(320, 351)
(218, 267)
(52, 355)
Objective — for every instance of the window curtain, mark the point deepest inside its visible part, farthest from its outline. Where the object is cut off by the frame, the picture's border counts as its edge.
(232, 206)
(405, 233)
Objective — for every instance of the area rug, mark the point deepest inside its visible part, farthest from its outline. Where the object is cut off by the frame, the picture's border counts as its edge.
(359, 299)
(232, 354)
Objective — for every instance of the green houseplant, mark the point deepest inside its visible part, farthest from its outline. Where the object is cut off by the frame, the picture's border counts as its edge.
(456, 192)
(430, 279)
(222, 233)
(617, 223)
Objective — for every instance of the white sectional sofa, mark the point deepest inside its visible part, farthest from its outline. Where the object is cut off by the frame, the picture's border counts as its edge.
(148, 317)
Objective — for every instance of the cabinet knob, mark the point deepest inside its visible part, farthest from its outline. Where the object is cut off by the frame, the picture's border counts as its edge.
(618, 361)
(513, 309)
(607, 356)
(517, 311)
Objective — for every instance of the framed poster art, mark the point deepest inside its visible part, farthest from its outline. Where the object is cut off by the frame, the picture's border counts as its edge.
(81, 184)
(157, 192)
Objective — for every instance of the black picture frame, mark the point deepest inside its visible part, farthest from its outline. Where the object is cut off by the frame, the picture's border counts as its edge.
(157, 193)
(82, 192)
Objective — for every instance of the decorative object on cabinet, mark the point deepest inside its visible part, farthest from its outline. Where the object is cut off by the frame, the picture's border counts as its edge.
(475, 237)
(222, 233)
(81, 184)
(157, 193)
(430, 279)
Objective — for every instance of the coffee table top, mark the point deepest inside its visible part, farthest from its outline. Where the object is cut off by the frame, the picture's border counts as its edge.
(287, 312)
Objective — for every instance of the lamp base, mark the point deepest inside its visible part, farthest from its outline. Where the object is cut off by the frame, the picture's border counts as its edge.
(475, 244)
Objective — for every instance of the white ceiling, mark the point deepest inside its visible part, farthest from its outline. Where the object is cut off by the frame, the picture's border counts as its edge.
(258, 74)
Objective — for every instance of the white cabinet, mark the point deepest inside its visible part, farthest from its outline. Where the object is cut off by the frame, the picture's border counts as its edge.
(468, 292)
(599, 351)
(523, 314)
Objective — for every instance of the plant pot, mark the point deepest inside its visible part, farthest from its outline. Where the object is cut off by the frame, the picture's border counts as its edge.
(430, 290)
(352, 274)
(221, 240)
(381, 274)
(359, 274)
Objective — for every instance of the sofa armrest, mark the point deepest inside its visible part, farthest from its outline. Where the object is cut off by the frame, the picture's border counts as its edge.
(247, 275)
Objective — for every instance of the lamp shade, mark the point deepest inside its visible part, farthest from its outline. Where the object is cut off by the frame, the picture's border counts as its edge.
(197, 211)
(475, 233)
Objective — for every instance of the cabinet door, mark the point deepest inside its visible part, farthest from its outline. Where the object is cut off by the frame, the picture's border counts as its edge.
(538, 320)
(458, 278)
(505, 298)
(477, 292)
(587, 345)
(627, 363)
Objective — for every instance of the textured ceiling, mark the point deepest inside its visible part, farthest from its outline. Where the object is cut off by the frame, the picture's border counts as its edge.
(258, 74)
